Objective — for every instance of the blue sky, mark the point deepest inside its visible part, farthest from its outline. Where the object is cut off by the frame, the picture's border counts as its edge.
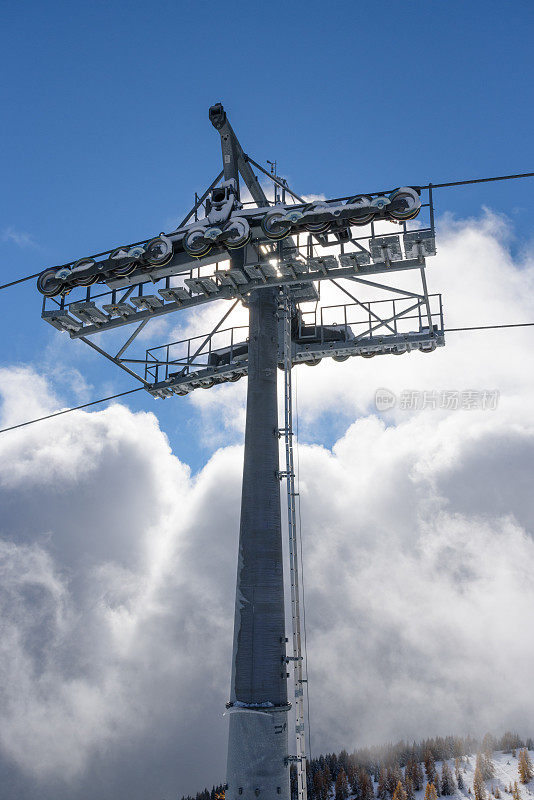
(106, 135)
(417, 527)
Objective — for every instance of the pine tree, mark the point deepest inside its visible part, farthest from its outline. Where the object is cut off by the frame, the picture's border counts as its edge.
(489, 768)
(430, 767)
(320, 787)
(418, 777)
(327, 776)
(399, 793)
(447, 781)
(381, 789)
(354, 782)
(488, 745)
(393, 776)
(479, 790)
(410, 793)
(366, 784)
(485, 765)
(524, 767)
(342, 786)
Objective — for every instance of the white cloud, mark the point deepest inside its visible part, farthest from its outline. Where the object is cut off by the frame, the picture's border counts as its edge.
(20, 238)
(117, 568)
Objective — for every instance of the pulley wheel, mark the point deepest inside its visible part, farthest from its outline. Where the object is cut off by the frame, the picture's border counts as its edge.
(405, 203)
(274, 225)
(195, 244)
(124, 269)
(239, 231)
(48, 284)
(317, 227)
(159, 250)
(363, 216)
(88, 280)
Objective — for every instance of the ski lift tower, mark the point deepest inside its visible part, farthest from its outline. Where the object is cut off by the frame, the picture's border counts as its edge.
(272, 257)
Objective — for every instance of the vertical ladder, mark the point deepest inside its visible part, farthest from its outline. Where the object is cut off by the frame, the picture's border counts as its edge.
(297, 657)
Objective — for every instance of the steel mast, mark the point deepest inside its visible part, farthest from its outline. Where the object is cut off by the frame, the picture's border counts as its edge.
(274, 279)
(258, 735)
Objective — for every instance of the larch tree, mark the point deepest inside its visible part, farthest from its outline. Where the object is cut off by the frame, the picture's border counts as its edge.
(524, 767)
(400, 792)
(366, 785)
(320, 787)
(393, 776)
(342, 786)
(430, 792)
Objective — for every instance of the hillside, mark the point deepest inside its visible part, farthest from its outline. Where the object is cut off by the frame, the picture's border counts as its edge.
(401, 771)
(506, 773)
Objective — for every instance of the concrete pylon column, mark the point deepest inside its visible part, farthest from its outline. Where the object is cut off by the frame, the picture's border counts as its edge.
(258, 738)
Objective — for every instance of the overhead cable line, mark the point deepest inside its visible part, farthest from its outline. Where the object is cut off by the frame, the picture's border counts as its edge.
(67, 410)
(20, 280)
(479, 180)
(490, 327)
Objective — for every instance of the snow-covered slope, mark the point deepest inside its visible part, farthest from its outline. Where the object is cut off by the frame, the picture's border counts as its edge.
(506, 773)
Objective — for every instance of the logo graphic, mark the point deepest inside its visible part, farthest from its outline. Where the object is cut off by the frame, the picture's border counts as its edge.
(384, 399)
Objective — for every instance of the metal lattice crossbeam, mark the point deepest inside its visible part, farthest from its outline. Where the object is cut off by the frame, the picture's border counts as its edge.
(382, 327)
(106, 311)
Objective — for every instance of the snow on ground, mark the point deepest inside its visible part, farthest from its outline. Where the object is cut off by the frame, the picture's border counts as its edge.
(506, 772)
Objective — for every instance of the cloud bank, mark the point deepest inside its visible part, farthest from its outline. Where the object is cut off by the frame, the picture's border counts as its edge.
(117, 566)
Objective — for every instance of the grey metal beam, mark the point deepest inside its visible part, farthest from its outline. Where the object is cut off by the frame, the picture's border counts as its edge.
(233, 150)
(113, 359)
(128, 342)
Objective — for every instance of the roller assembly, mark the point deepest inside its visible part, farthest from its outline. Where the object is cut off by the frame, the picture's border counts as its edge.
(228, 225)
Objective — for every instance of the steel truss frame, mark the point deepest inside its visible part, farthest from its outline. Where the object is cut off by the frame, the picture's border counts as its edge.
(402, 321)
